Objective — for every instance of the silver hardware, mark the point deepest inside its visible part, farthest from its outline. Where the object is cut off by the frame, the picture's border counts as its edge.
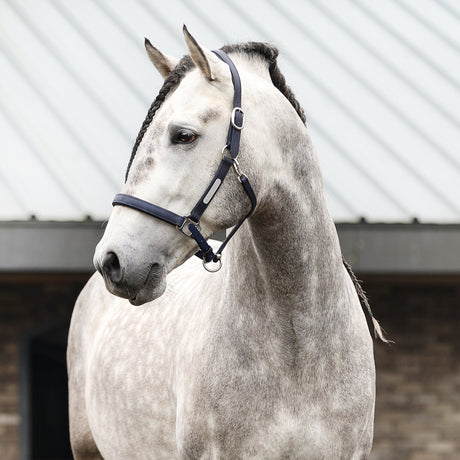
(184, 227)
(236, 164)
(209, 268)
(240, 174)
(236, 167)
(226, 152)
(237, 109)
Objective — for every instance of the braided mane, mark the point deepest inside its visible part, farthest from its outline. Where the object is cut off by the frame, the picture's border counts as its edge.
(251, 49)
(269, 53)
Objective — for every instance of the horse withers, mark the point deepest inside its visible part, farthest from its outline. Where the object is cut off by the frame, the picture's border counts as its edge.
(269, 357)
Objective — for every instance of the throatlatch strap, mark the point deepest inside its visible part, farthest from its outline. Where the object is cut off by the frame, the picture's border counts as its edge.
(208, 255)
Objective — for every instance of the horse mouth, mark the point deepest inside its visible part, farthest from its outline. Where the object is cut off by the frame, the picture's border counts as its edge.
(153, 286)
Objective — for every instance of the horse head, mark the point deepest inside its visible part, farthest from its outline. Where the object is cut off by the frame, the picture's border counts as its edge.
(175, 157)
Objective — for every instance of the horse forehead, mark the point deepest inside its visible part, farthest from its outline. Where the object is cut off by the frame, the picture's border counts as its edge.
(195, 93)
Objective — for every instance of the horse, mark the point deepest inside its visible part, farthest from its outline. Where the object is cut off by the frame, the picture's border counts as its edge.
(267, 355)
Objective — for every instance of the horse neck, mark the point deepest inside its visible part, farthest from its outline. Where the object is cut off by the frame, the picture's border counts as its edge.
(287, 256)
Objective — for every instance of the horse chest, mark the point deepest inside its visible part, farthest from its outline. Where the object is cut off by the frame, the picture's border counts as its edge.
(130, 403)
(147, 390)
(158, 382)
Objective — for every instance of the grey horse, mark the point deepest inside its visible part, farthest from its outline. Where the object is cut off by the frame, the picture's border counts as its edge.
(268, 358)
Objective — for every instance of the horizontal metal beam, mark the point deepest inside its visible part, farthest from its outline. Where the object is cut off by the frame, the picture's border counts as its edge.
(401, 248)
(35, 246)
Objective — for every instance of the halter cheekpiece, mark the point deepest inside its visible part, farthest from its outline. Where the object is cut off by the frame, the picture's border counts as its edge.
(190, 225)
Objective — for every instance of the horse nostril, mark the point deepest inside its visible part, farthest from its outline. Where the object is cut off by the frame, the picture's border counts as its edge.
(111, 267)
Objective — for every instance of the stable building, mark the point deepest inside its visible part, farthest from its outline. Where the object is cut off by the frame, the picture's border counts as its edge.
(380, 86)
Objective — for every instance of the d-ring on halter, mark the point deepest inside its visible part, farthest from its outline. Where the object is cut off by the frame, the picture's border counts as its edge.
(190, 225)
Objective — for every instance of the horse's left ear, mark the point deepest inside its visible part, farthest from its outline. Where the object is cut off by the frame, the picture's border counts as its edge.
(163, 63)
(209, 64)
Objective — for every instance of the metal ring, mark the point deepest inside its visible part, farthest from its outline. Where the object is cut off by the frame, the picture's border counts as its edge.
(208, 268)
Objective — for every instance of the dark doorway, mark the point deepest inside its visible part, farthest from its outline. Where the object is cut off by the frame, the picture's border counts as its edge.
(46, 394)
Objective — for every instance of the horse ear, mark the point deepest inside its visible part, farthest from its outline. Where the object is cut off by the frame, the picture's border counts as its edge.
(164, 64)
(209, 64)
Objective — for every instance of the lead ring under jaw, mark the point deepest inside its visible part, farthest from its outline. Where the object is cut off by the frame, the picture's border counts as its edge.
(207, 265)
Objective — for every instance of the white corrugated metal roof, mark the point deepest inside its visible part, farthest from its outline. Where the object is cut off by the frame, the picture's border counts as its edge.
(379, 81)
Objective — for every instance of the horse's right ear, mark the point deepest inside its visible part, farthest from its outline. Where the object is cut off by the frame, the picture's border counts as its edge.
(164, 64)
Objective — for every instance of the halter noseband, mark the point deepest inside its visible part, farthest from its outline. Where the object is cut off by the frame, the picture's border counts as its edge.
(190, 225)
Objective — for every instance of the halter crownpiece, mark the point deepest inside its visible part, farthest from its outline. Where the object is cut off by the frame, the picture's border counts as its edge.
(190, 225)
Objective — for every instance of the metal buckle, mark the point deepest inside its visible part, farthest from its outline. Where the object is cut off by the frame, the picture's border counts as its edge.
(235, 163)
(184, 227)
(237, 109)
(236, 167)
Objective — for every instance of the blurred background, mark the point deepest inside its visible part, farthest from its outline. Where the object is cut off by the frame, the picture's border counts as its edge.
(380, 84)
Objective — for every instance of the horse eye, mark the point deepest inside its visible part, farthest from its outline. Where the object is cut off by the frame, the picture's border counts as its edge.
(184, 136)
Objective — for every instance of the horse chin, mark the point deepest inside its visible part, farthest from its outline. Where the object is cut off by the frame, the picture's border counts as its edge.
(153, 287)
(147, 295)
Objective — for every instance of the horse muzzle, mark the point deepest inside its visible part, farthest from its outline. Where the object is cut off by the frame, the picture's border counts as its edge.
(139, 284)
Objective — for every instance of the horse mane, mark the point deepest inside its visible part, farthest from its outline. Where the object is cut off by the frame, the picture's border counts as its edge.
(269, 53)
(265, 51)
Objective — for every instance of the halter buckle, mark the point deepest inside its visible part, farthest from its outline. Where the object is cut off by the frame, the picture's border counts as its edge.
(236, 167)
(235, 163)
(233, 119)
(184, 226)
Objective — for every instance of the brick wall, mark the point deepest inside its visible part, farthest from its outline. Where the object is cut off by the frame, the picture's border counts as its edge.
(418, 377)
(27, 303)
(418, 380)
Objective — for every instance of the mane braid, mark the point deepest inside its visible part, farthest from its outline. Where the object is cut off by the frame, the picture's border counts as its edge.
(269, 53)
(170, 84)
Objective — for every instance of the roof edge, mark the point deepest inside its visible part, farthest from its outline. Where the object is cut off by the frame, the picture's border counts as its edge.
(401, 248)
(45, 246)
